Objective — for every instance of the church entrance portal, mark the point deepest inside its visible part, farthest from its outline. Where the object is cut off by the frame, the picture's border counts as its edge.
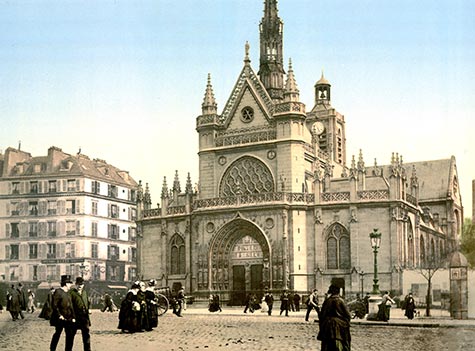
(240, 262)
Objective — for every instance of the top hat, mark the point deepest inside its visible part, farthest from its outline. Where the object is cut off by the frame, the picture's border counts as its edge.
(79, 280)
(66, 279)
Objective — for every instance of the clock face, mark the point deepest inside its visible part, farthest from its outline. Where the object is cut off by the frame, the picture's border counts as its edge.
(318, 128)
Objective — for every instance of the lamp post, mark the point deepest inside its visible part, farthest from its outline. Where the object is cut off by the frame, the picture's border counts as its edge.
(83, 269)
(375, 299)
(362, 274)
(375, 238)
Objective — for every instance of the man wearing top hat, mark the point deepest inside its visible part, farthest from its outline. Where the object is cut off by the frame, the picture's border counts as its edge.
(63, 316)
(81, 311)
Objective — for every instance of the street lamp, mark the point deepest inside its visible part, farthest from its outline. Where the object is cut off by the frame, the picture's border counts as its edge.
(83, 269)
(362, 274)
(375, 238)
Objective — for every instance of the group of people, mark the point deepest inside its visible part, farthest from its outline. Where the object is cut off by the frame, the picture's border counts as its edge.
(19, 301)
(138, 311)
(68, 309)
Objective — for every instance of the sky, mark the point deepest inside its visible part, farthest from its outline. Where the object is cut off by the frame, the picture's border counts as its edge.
(124, 80)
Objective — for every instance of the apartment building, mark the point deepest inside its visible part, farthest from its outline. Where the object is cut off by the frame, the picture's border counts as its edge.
(65, 214)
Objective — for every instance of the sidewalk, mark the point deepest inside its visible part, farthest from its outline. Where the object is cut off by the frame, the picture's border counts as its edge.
(438, 318)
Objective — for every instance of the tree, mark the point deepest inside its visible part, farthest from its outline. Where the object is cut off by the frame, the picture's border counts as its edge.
(467, 245)
(427, 270)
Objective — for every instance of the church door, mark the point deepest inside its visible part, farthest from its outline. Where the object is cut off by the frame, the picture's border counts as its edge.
(239, 285)
(256, 278)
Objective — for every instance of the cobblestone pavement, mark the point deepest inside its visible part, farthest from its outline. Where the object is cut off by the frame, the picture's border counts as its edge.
(224, 331)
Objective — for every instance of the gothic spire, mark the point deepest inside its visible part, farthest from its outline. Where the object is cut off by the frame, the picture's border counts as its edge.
(146, 197)
(209, 106)
(164, 188)
(271, 63)
(291, 92)
(189, 187)
(176, 183)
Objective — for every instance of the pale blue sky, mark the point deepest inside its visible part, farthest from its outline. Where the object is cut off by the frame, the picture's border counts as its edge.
(124, 80)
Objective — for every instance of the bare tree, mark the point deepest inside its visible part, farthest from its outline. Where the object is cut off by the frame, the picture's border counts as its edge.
(427, 270)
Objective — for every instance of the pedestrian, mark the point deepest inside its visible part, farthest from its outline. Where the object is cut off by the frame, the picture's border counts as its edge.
(13, 302)
(181, 297)
(63, 317)
(297, 302)
(109, 304)
(284, 303)
(384, 308)
(31, 301)
(143, 307)
(334, 332)
(269, 299)
(214, 304)
(81, 308)
(47, 309)
(366, 302)
(248, 304)
(410, 306)
(151, 304)
(129, 314)
(312, 304)
(264, 307)
(291, 302)
(23, 295)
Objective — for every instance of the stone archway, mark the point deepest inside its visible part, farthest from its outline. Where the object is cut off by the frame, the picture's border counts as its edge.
(239, 260)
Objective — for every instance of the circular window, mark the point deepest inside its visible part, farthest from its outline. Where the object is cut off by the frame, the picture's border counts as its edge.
(247, 114)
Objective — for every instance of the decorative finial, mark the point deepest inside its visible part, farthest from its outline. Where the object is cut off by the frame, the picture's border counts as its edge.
(246, 49)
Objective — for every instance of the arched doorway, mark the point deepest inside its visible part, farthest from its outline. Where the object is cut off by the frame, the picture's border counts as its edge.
(239, 258)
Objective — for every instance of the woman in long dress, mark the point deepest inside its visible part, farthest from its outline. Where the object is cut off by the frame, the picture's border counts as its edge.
(130, 314)
(264, 307)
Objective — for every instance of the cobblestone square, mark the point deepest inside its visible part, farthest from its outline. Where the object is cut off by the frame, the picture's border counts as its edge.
(232, 330)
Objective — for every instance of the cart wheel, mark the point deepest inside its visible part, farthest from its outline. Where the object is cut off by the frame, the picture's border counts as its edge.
(162, 304)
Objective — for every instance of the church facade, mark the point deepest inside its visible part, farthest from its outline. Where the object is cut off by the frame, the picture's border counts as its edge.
(278, 206)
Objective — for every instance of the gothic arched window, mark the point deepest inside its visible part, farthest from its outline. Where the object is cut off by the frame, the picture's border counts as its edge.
(422, 251)
(245, 176)
(177, 255)
(338, 248)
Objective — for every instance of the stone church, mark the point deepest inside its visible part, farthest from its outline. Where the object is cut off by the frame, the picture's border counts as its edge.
(278, 206)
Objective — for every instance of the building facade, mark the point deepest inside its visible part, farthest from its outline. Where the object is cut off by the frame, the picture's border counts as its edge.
(65, 214)
(278, 206)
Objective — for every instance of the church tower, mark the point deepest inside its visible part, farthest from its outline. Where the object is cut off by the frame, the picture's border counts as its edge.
(271, 65)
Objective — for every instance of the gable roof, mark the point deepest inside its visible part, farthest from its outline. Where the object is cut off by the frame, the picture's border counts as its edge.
(247, 79)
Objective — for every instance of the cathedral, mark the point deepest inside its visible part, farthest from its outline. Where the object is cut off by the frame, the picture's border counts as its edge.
(277, 205)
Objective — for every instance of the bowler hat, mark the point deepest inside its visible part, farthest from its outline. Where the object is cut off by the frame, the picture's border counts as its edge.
(79, 280)
(66, 279)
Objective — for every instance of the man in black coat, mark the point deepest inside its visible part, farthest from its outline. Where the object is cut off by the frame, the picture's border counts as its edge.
(23, 300)
(81, 311)
(63, 316)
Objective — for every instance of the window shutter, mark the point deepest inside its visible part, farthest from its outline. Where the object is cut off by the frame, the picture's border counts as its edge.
(7, 252)
(42, 272)
(7, 210)
(23, 254)
(22, 187)
(61, 207)
(73, 250)
(40, 186)
(58, 271)
(42, 251)
(109, 230)
(27, 187)
(78, 227)
(24, 208)
(64, 184)
(62, 250)
(8, 233)
(31, 273)
(42, 229)
(78, 203)
(42, 207)
(61, 228)
(109, 210)
(9, 188)
(108, 252)
(23, 228)
(78, 185)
